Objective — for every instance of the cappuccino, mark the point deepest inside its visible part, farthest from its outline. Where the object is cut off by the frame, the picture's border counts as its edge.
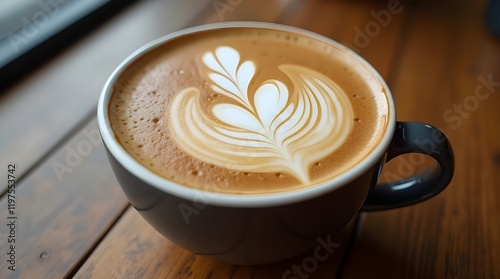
(248, 110)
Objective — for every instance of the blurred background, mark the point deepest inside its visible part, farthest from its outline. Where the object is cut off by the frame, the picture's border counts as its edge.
(441, 60)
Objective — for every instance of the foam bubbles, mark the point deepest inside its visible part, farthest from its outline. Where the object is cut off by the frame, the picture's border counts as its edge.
(145, 95)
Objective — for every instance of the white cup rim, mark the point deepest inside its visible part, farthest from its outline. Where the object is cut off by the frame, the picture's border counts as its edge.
(226, 199)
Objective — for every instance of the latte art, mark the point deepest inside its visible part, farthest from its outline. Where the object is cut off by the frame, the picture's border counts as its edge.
(276, 128)
(248, 110)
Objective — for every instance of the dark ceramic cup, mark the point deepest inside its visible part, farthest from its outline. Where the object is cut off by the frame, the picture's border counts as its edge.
(264, 228)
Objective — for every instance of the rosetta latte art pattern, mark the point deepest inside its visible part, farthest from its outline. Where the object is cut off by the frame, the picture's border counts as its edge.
(269, 130)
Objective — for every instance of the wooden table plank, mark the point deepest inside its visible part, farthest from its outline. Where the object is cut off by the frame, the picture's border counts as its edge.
(455, 235)
(348, 21)
(448, 55)
(62, 209)
(134, 250)
(129, 252)
(256, 10)
(43, 108)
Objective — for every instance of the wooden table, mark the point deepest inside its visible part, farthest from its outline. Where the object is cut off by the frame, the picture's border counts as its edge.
(73, 220)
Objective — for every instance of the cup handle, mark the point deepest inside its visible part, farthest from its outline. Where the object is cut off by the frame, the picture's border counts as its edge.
(414, 137)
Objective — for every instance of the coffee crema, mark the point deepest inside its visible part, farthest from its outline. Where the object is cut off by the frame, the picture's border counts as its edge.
(248, 110)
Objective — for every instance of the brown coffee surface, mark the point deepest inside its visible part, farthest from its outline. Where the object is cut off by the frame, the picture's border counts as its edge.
(242, 110)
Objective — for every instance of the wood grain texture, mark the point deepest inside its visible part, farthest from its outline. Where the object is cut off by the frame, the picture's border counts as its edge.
(133, 249)
(447, 56)
(62, 209)
(47, 105)
(129, 252)
(443, 68)
(244, 10)
(348, 21)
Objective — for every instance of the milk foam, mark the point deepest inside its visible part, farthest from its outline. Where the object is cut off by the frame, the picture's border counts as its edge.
(248, 111)
(274, 129)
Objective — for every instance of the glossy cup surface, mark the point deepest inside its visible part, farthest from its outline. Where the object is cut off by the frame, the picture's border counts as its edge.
(242, 229)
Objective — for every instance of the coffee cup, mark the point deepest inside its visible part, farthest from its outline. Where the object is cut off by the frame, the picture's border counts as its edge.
(246, 141)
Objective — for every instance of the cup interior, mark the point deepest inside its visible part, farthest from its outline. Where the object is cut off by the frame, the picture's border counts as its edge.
(237, 200)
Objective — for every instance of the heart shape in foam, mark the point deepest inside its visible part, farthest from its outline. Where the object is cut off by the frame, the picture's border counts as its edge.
(266, 133)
